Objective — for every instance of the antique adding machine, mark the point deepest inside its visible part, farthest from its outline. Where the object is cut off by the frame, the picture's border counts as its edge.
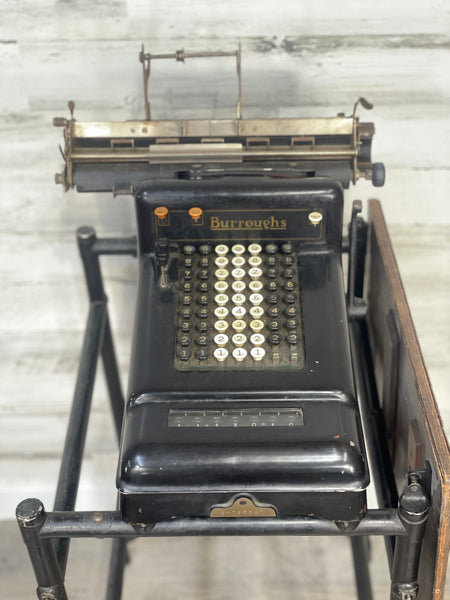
(254, 370)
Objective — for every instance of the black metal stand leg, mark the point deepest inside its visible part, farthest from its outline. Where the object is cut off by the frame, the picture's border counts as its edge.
(112, 378)
(86, 241)
(413, 511)
(31, 516)
(69, 474)
(361, 565)
(116, 568)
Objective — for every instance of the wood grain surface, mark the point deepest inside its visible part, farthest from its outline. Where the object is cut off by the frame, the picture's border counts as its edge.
(417, 438)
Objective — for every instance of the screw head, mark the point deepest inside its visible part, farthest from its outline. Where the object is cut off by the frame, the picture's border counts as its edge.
(98, 517)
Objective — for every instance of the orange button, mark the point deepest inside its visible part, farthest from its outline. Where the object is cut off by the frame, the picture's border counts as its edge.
(161, 212)
(195, 212)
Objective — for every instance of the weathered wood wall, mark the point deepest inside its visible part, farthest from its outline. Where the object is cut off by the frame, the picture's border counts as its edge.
(299, 58)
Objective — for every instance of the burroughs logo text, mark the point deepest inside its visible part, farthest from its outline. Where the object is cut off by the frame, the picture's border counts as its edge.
(270, 223)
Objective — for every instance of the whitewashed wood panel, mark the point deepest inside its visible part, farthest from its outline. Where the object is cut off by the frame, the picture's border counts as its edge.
(301, 59)
(38, 477)
(321, 79)
(106, 21)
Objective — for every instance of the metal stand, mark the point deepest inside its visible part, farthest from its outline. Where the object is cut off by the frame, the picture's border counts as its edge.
(47, 535)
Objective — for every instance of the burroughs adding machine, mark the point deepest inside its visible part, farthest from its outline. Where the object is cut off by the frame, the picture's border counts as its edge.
(250, 378)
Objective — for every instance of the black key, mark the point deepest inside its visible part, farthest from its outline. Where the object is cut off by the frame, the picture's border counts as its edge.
(271, 261)
(204, 262)
(271, 273)
(186, 313)
(202, 354)
(203, 326)
(202, 313)
(271, 248)
(187, 288)
(273, 298)
(184, 339)
(274, 325)
(205, 249)
(290, 298)
(189, 249)
(184, 354)
(291, 311)
(187, 300)
(288, 261)
(204, 274)
(275, 339)
(289, 285)
(274, 311)
(203, 299)
(288, 273)
(272, 286)
(292, 338)
(287, 248)
(292, 323)
(185, 326)
(203, 287)
(187, 274)
(188, 263)
(202, 340)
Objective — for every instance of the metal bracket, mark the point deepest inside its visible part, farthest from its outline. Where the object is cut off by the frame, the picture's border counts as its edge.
(243, 506)
(181, 56)
(50, 593)
(414, 506)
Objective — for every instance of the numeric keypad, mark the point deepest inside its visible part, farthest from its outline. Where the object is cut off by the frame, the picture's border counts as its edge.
(238, 307)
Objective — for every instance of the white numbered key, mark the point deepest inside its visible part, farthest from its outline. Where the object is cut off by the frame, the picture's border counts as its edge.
(238, 311)
(238, 286)
(254, 248)
(256, 298)
(221, 326)
(221, 312)
(221, 339)
(256, 325)
(256, 312)
(257, 339)
(239, 339)
(255, 286)
(238, 273)
(258, 353)
(239, 325)
(221, 286)
(220, 354)
(221, 274)
(221, 249)
(255, 272)
(238, 299)
(238, 261)
(221, 261)
(238, 249)
(254, 261)
(239, 354)
(221, 299)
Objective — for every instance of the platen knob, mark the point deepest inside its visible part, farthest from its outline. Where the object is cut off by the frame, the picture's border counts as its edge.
(378, 174)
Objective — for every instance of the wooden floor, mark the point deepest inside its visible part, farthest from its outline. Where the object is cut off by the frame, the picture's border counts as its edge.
(305, 59)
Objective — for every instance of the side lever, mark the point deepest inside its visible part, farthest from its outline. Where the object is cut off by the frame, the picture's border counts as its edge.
(162, 259)
(356, 307)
